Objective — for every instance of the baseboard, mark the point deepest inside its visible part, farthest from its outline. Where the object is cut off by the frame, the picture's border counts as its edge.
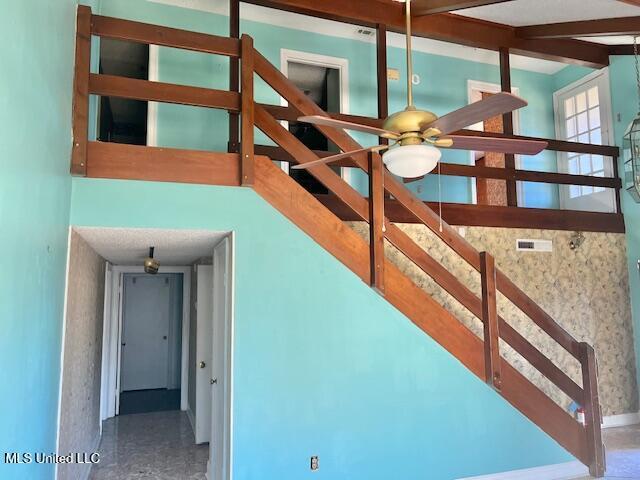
(622, 420)
(192, 420)
(561, 471)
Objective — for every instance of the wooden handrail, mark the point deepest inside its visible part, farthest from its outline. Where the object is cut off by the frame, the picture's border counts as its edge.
(119, 29)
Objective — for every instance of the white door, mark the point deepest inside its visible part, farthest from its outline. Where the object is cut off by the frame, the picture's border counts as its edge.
(145, 331)
(583, 114)
(204, 329)
(218, 468)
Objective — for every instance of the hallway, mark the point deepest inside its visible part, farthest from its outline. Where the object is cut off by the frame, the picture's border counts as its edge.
(157, 445)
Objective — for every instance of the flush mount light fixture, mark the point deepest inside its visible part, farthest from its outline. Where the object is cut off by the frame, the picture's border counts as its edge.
(151, 265)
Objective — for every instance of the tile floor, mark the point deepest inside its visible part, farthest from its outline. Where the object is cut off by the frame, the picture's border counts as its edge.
(623, 453)
(157, 446)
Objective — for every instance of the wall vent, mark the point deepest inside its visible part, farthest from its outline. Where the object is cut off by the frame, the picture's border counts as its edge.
(367, 32)
(533, 245)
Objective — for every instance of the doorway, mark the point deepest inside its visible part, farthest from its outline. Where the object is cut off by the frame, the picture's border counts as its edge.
(583, 114)
(123, 120)
(325, 81)
(151, 350)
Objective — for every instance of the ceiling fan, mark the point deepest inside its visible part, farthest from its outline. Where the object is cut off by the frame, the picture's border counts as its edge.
(418, 135)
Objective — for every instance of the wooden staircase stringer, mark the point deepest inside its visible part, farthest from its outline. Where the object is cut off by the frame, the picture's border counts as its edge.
(305, 211)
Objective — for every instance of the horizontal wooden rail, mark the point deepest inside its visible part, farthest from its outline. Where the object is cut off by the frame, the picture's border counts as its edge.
(135, 89)
(290, 113)
(139, 32)
(472, 171)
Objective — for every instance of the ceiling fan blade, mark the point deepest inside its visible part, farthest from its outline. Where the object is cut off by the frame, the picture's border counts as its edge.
(497, 104)
(340, 156)
(497, 145)
(331, 122)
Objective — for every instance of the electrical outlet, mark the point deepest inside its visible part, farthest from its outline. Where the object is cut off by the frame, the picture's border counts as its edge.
(314, 463)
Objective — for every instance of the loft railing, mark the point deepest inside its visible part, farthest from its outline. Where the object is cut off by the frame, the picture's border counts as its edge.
(97, 159)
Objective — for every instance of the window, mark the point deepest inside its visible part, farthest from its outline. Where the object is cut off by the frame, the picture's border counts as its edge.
(582, 117)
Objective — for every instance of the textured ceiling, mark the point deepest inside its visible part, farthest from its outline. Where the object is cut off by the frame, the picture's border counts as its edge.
(129, 246)
(534, 12)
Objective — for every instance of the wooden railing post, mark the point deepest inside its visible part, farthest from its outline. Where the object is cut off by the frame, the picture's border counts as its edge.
(80, 120)
(247, 112)
(507, 127)
(234, 75)
(490, 320)
(376, 221)
(592, 413)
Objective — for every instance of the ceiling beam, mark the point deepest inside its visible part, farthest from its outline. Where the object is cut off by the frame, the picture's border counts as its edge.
(447, 27)
(621, 49)
(429, 7)
(631, 2)
(586, 28)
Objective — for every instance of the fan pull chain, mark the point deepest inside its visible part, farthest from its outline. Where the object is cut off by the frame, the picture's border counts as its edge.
(439, 197)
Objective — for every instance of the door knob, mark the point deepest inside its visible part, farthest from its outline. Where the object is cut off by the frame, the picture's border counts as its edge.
(202, 364)
(214, 381)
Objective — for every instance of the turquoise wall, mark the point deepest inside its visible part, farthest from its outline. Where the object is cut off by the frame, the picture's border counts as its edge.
(323, 365)
(624, 98)
(443, 89)
(36, 54)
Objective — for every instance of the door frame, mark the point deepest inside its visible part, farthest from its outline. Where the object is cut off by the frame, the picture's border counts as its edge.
(111, 339)
(228, 359)
(605, 106)
(326, 61)
(475, 87)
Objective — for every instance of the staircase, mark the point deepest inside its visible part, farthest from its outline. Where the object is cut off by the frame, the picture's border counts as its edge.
(366, 258)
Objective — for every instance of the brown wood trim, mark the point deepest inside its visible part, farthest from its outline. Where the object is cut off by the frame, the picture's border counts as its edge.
(458, 170)
(592, 413)
(291, 113)
(133, 162)
(507, 125)
(234, 75)
(247, 146)
(139, 32)
(490, 321)
(621, 50)
(496, 216)
(332, 234)
(123, 87)
(448, 28)
(381, 71)
(429, 7)
(585, 28)
(376, 221)
(80, 109)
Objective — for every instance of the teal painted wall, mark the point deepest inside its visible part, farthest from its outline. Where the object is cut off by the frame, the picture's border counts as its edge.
(624, 99)
(443, 89)
(323, 365)
(36, 54)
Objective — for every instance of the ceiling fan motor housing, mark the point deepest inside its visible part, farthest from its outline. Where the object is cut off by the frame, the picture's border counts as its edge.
(409, 123)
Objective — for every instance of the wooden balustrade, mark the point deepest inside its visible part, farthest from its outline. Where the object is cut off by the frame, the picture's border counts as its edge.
(248, 169)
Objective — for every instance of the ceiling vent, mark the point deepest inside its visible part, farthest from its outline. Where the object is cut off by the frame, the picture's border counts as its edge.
(533, 245)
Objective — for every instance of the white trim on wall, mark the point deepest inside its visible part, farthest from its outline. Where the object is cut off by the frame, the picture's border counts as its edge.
(152, 107)
(64, 332)
(113, 328)
(474, 94)
(306, 58)
(621, 420)
(560, 471)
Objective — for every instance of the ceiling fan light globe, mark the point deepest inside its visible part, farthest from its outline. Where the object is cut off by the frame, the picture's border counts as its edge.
(411, 161)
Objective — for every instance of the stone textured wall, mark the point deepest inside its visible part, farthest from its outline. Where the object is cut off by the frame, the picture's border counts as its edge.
(585, 290)
(80, 402)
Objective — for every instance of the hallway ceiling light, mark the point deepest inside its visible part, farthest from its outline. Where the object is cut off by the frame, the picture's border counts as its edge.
(151, 265)
(413, 127)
